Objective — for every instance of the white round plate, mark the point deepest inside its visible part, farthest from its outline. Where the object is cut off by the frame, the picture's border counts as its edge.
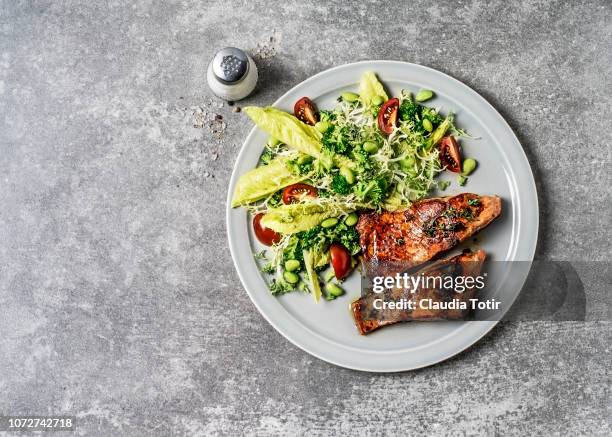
(326, 330)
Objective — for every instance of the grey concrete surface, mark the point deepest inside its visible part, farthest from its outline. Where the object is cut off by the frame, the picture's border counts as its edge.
(119, 302)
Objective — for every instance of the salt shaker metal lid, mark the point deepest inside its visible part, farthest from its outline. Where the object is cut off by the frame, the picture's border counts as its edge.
(232, 74)
(230, 65)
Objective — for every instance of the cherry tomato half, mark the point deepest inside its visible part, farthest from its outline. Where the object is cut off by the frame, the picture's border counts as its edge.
(306, 111)
(340, 260)
(265, 235)
(387, 116)
(294, 193)
(450, 155)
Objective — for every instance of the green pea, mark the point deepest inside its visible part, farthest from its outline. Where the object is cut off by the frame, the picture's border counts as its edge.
(427, 125)
(273, 142)
(469, 165)
(424, 95)
(352, 219)
(370, 147)
(334, 290)
(322, 126)
(347, 173)
(292, 265)
(378, 100)
(328, 223)
(291, 277)
(461, 180)
(350, 97)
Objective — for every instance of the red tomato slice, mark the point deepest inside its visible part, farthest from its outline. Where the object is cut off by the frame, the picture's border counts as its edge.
(294, 193)
(340, 260)
(306, 111)
(265, 235)
(387, 116)
(450, 155)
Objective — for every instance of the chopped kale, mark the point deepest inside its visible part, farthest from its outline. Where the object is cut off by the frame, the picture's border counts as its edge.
(443, 185)
(415, 113)
(267, 268)
(347, 236)
(267, 156)
(410, 111)
(276, 199)
(293, 249)
(340, 140)
(340, 185)
(300, 166)
(373, 191)
(431, 115)
(280, 286)
(362, 160)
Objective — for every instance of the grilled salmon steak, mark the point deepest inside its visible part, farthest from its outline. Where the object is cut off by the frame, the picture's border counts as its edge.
(413, 236)
(370, 315)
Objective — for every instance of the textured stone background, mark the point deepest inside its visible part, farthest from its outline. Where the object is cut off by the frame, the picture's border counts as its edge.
(115, 276)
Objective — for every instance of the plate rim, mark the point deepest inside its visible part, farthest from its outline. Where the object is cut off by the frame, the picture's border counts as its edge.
(484, 326)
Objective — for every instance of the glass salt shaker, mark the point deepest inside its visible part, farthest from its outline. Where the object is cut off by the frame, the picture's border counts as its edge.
(232, 74)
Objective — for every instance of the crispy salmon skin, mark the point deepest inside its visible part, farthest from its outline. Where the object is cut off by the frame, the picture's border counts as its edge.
(426, 229)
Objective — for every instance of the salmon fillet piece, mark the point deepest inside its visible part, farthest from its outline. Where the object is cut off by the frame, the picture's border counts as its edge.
(368, 318)
(429, 227)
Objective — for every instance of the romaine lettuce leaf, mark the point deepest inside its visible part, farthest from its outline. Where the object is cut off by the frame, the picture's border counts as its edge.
(370, 87)
(297, 217)
(262, 181)
(313, 278)
(286, 128)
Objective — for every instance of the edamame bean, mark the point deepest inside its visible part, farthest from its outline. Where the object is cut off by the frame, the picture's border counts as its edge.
(322, 126)
(273, 142)
(370, 147)
(469, 165)
(328, 223)
(411, 171)
(292, 265)
(427, 125)
(424, 95)
(347, 173)
(291, 277)
(350, 97)
(352, 219)
(334, 290)
(407, 163)
(378, 100)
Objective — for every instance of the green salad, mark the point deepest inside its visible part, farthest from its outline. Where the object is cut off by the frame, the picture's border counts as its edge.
(320, 168)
